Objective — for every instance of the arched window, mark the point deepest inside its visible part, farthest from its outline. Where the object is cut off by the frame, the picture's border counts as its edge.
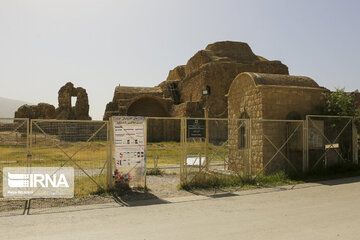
(242, 131)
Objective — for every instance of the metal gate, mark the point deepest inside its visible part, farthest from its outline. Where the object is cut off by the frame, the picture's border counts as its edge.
(206, 144)
(332, 140)
(277, 146)
(80, 144)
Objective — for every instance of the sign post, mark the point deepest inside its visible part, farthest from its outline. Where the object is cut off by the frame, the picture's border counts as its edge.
(129, 150)
(196, 128)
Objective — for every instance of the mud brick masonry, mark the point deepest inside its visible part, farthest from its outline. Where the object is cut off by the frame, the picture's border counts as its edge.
(181, 94)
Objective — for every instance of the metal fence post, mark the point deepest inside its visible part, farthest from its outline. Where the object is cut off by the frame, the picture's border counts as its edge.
(30, 144)
(185, 148)
(27, 141)
(306, 145)
(145, 144)
(182, 157)
(248, 121)
(207, 159)
(109, 182)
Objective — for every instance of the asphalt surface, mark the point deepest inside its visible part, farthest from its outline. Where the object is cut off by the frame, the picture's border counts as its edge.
(328, 210)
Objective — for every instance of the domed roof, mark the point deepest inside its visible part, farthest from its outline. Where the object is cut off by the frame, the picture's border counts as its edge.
(282, 80)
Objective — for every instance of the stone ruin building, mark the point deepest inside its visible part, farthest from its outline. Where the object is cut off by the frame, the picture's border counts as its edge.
(180, 95)
(269, 96)
(81, 109)
(261, 97)
(241, 84)
(65, 110)
(40, 111)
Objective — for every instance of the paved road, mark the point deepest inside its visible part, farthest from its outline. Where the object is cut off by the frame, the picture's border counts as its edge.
(311, 211)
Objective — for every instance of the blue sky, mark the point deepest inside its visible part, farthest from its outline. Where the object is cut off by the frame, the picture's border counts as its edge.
(100, 44)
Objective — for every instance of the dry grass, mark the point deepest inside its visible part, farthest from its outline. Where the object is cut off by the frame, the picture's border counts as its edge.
(169, 153)
(93, 154)
(85, 186)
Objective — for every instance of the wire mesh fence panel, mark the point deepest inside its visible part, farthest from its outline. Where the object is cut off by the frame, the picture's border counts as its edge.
(163, 148)
(82, 145)
(195, 146)
(13, 153)
(276, 146)
(330, 141)
(163, 154)
(211, 148)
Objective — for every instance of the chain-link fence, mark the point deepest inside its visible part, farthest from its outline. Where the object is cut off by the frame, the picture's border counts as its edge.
(249, 147)
(193, 146)
(330, 140)
(185, 149)
(82, 145)
(205, 148)
(163, 149)
(13, 153)
(276, 146)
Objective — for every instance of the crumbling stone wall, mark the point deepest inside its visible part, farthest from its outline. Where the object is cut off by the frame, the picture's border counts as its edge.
(81, 109)
(177, 73)
(215, 66)
(124, 97)
(65, 111)
(149, 106)
(40, 111)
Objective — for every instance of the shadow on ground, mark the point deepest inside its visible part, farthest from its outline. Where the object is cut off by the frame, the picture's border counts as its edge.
(339, 181)
(136, 198)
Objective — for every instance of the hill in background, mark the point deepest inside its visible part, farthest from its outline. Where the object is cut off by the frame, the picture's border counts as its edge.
(9, 106)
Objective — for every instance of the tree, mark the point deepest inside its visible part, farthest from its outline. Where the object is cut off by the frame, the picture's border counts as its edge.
(340, 103)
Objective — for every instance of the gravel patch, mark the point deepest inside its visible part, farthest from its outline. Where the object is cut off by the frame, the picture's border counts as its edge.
(165, 186)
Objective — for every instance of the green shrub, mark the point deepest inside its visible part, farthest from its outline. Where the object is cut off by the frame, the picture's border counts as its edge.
(154, 171)
(207, 180)
(340, 103)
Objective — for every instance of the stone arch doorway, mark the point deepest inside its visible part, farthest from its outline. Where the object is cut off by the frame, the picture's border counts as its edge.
(148, 107)
(158, 130)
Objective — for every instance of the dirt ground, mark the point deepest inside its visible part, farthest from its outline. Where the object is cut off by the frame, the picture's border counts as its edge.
(324, 210)
(161, 186)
